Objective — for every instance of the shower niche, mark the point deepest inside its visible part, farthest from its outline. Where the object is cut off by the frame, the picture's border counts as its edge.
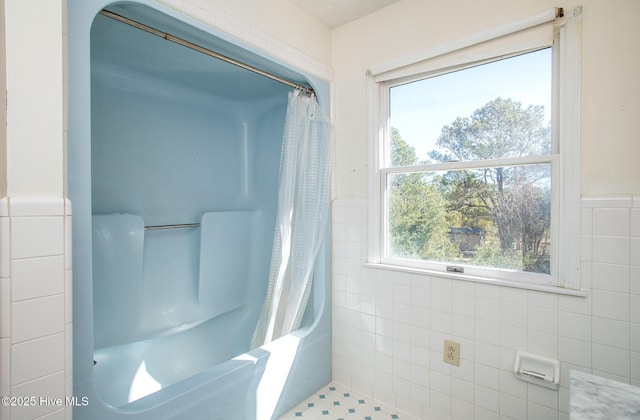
(174, 183)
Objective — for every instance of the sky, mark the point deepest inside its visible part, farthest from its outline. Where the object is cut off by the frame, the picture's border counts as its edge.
(420, 109)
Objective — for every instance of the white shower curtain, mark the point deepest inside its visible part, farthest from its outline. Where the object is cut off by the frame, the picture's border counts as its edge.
(303, 211)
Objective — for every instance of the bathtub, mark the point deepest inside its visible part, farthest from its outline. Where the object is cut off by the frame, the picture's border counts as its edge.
(173, 162)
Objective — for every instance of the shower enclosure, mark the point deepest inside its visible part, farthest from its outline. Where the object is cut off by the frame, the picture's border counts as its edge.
(174, 160)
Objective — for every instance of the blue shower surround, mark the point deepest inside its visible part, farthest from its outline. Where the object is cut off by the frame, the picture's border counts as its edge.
(160, 135)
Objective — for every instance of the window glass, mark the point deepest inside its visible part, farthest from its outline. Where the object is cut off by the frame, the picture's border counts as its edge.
(513, 94)
(496, 217)
(462, 191)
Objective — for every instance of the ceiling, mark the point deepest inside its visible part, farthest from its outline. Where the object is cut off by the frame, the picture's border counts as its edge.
(337, 12)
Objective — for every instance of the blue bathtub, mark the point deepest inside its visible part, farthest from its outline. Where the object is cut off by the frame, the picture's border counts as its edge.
(173, 161)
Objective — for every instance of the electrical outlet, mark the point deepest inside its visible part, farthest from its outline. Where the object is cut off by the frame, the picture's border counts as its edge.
(451, 352)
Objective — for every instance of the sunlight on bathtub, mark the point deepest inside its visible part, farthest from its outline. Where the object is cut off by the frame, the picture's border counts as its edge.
(282, 354)
(143, 384)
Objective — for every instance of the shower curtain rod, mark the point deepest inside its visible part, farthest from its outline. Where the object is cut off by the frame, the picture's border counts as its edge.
(203, 50)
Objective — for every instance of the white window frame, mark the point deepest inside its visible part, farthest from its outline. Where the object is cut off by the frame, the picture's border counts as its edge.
(565, 157)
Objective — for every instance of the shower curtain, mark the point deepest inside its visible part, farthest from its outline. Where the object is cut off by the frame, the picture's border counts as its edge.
(303, 211)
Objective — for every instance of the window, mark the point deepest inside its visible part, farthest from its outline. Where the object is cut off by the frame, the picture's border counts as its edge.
(474, 159)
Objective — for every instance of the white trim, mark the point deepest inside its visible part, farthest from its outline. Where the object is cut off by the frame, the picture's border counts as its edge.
(374, 228)
(478, 279)
(26, 206)
(473, 164)
(566, 211)
(622, 201)
(569, 99)
(458, 44)
(471, 271)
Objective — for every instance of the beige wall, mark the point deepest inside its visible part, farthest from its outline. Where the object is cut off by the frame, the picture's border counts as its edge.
(3, 108)
(285, 21)
(611, 97)
(34, 82)
(278, 22)
(610, 85)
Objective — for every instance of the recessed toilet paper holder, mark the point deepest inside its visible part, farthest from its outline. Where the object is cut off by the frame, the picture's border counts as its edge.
(538, 370)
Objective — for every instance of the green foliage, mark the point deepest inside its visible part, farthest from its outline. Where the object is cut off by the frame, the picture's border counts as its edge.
(499, 129)
(401, 153)
(417, 212)
(491, 255)
(464, 193)
(417, 219)
(510, 204)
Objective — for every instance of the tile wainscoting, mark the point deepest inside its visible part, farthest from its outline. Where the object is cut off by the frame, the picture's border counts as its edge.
(389, 326)
(35, 307)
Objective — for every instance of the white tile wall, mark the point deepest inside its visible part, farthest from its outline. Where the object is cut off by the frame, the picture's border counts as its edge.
(412, 314)
(35, 304)
(388, 327)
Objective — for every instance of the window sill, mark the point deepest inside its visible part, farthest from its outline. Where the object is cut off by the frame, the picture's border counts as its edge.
(476, 279)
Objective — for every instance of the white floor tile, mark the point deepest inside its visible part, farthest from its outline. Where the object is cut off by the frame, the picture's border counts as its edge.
(336, 402)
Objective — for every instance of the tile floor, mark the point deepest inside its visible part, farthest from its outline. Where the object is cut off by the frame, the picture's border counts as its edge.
(336, 402)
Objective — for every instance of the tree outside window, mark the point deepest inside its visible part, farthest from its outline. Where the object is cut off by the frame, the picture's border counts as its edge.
(494, 210)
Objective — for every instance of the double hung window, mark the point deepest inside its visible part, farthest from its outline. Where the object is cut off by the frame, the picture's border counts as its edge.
(475, 156)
